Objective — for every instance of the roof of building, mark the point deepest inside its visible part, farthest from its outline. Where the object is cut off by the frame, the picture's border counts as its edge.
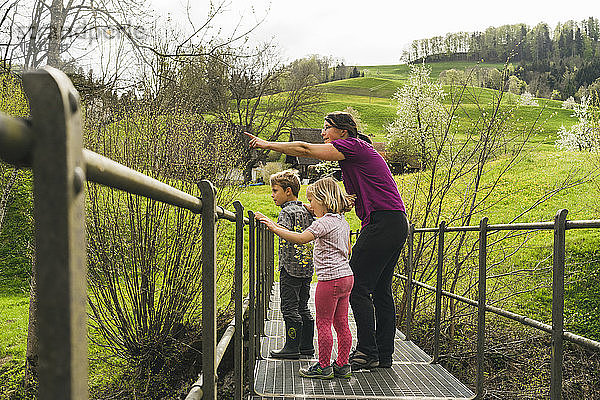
(309, 135)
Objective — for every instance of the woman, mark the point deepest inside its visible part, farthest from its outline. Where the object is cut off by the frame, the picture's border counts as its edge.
(384, 229)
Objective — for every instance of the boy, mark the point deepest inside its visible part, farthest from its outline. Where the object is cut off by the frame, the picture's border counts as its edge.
(295, 268)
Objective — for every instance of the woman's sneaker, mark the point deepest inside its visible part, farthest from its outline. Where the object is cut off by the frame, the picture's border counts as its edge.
(385, 362)
(359, 360)
(344, 371)
(317, 372)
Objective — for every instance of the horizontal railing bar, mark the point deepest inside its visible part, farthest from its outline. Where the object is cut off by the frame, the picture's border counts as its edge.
(497, 227)
(107, 172)
(582, 224)
(16, 140)
(513, 316)
(228, 334)
(516, 227)
(196, 390)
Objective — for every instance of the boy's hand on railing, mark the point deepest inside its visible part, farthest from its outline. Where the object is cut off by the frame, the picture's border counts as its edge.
(255, 141)
(263, 219)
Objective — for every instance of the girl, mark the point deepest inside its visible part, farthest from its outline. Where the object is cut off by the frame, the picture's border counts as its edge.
(331, 234)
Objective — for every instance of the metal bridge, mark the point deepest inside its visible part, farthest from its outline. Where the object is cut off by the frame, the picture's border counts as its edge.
(51, 144)
(412, 376)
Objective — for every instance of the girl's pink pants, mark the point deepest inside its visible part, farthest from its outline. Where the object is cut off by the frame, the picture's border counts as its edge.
(331, 301)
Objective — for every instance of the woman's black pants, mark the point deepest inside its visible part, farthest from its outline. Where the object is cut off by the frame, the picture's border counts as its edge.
(373, 261)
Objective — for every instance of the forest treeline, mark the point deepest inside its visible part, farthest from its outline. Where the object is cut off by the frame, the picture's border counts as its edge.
(557, 62)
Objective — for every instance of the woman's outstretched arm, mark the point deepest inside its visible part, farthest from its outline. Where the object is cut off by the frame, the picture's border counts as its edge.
(324, 151)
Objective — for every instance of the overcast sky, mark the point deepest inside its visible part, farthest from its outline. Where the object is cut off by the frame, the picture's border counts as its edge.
(374, 32)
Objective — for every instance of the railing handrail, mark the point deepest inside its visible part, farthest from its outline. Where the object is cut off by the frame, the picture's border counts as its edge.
(582, 340)
(581, 224)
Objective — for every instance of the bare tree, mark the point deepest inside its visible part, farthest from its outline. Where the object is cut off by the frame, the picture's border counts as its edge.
(268, 98)
(57, 33)
(144, 256)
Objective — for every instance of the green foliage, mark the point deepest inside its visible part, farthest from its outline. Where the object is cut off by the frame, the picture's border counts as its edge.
(582, 293)
(16, 228)
(16, 237)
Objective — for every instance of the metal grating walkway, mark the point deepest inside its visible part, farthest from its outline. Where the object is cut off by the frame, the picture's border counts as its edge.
(412, 375)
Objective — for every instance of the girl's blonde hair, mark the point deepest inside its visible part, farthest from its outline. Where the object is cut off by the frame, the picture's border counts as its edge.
(328, 192)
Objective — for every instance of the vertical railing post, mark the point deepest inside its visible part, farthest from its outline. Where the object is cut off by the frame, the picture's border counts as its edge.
(558, 302)
(59, 215)
(239, 279)
(481, 300)
(260, 246)
(409, 278)
(209, 298)
(438, 293)
(266, 274)
(271, 261)
(252, 299)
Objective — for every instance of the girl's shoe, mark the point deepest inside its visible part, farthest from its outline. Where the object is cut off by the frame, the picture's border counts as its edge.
(344, 371)
(317, 372)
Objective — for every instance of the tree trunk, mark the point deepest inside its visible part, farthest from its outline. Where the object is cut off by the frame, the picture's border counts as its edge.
(6, 192)
(31, 357)
(57, 20)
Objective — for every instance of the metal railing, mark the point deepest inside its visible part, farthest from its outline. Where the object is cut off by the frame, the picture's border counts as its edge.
(559, 227)
(51, 144)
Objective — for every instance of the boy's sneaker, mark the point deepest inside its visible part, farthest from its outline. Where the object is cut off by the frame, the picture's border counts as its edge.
(359, 360)
(344, 371)
(317, 372)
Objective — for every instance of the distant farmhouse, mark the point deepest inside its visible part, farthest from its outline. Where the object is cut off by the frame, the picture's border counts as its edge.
(309, 135)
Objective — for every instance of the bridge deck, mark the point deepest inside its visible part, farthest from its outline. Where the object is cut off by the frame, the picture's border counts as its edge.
(412, 375)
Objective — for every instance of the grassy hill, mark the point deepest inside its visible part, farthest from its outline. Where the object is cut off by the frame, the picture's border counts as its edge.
(372, 94)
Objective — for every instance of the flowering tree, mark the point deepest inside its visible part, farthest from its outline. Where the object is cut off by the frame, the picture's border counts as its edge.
(527, 99)
(420, 115)
(585, 134)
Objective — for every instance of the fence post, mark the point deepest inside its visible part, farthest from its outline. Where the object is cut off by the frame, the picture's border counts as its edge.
(438, 293)
(558, 302)
(59, 216)
(260, 246)
(271, 236)
(209, 298)
(252, 299)
(409, 276)
(481, 300)
(239, 278)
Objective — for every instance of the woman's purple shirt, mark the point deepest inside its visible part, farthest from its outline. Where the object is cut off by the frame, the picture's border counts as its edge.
(366, 174)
